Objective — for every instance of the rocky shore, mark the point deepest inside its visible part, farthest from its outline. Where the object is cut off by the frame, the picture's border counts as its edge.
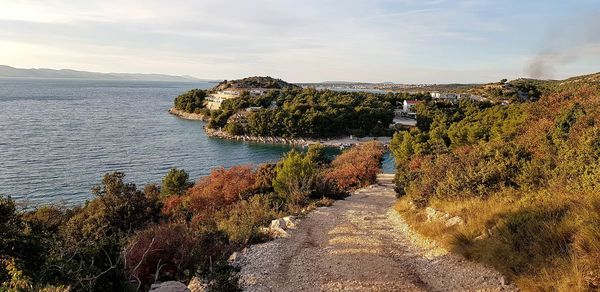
(256, 139)
(331, 142)
(188, 116)
(334, 142)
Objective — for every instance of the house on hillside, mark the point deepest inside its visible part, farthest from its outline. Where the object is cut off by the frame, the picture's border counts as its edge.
(230, 92)
(444, 96)
(408, 107)
(258, 91)
(214, 100)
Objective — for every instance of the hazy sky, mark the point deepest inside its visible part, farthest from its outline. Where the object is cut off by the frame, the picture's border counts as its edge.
(407, 41)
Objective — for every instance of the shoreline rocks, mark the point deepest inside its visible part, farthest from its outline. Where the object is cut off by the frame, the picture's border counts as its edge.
(188, 116)
(256, 139)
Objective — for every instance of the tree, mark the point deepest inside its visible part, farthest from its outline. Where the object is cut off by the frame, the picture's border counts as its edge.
(191, 101)
(160, 252)
(175, 182)
(316, 154)
(295, 175)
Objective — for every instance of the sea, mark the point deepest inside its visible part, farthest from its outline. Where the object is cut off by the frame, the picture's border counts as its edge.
(58, 137)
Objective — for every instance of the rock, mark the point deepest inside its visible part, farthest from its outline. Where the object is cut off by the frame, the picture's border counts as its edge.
(169, 286)
(277, 228)
(290, 221)
(278, 223)
(232, 258)
(432, 214)
(483, 236)
(456, 220)
(196, 285)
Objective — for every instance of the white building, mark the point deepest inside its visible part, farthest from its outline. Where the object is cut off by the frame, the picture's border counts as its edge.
(444, 95)
(409, 106)
(258, 91)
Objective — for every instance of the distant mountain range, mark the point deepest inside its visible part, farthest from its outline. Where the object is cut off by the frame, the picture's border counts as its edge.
(8, 71)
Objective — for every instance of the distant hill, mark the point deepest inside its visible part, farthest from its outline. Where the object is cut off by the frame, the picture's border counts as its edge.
(255, 82)
(523, 89)
(7, 71)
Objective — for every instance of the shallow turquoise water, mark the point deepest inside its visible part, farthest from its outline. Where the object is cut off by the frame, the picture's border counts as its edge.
(58, 137)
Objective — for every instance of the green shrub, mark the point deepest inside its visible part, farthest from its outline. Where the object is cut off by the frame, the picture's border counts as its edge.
(243, 222)
(191, 101)
(176, 182)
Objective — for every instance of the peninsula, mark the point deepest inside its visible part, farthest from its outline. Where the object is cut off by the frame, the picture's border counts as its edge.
(269, 110)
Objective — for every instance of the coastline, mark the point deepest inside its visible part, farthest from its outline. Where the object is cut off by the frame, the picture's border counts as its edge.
(330, 142)
(188, 116)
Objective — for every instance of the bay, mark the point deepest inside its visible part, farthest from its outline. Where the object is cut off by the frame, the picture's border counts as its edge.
(58, 137)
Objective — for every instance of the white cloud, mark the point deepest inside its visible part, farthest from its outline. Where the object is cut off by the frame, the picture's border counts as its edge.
(308, 40)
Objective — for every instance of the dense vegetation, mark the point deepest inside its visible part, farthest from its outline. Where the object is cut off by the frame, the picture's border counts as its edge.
(191, 101)
(524, 177)
(255, 82)
(309, 113)
(126, 238)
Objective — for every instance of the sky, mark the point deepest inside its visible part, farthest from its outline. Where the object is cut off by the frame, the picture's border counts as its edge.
(403, 41)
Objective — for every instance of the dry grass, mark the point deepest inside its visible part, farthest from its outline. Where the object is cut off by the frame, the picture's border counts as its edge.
(547, 241)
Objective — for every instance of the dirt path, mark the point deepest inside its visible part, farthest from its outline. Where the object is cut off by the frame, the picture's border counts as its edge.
(359, 244)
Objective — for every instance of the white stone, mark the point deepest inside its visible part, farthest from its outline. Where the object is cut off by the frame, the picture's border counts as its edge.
(432, 214)
(456, 220)
(232, 257)
(290, 221)
(277, 228)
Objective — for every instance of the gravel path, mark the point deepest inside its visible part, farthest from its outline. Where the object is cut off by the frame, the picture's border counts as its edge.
(359, 244)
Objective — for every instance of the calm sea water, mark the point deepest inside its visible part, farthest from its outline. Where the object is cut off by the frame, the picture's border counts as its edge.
(58, 137)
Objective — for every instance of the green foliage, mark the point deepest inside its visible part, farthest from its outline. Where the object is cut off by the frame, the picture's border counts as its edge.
(265, 174)
(234, 128)
(218, 118)
(191, 101)
(310, 113)
(295, 176)
(316, 153)
(242, 225)
(176, 182)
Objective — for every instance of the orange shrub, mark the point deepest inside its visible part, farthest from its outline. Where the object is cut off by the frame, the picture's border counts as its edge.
(221, 188)
(357, 167)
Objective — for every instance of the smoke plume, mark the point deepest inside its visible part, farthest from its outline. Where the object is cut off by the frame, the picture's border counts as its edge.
(575, 39)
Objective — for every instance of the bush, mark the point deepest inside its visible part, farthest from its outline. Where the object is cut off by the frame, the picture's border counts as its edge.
(234, 128)
(295, 177)
(221, 188)
(245, 218)
(357, 167)
(264, 178)
(191, 101)
(175, 182)
(159, 253)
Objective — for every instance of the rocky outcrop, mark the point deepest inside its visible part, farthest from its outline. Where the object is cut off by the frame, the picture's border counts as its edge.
(256, 139)
(170, 286)
(449, 221)
(188, 116)
(278, 227)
